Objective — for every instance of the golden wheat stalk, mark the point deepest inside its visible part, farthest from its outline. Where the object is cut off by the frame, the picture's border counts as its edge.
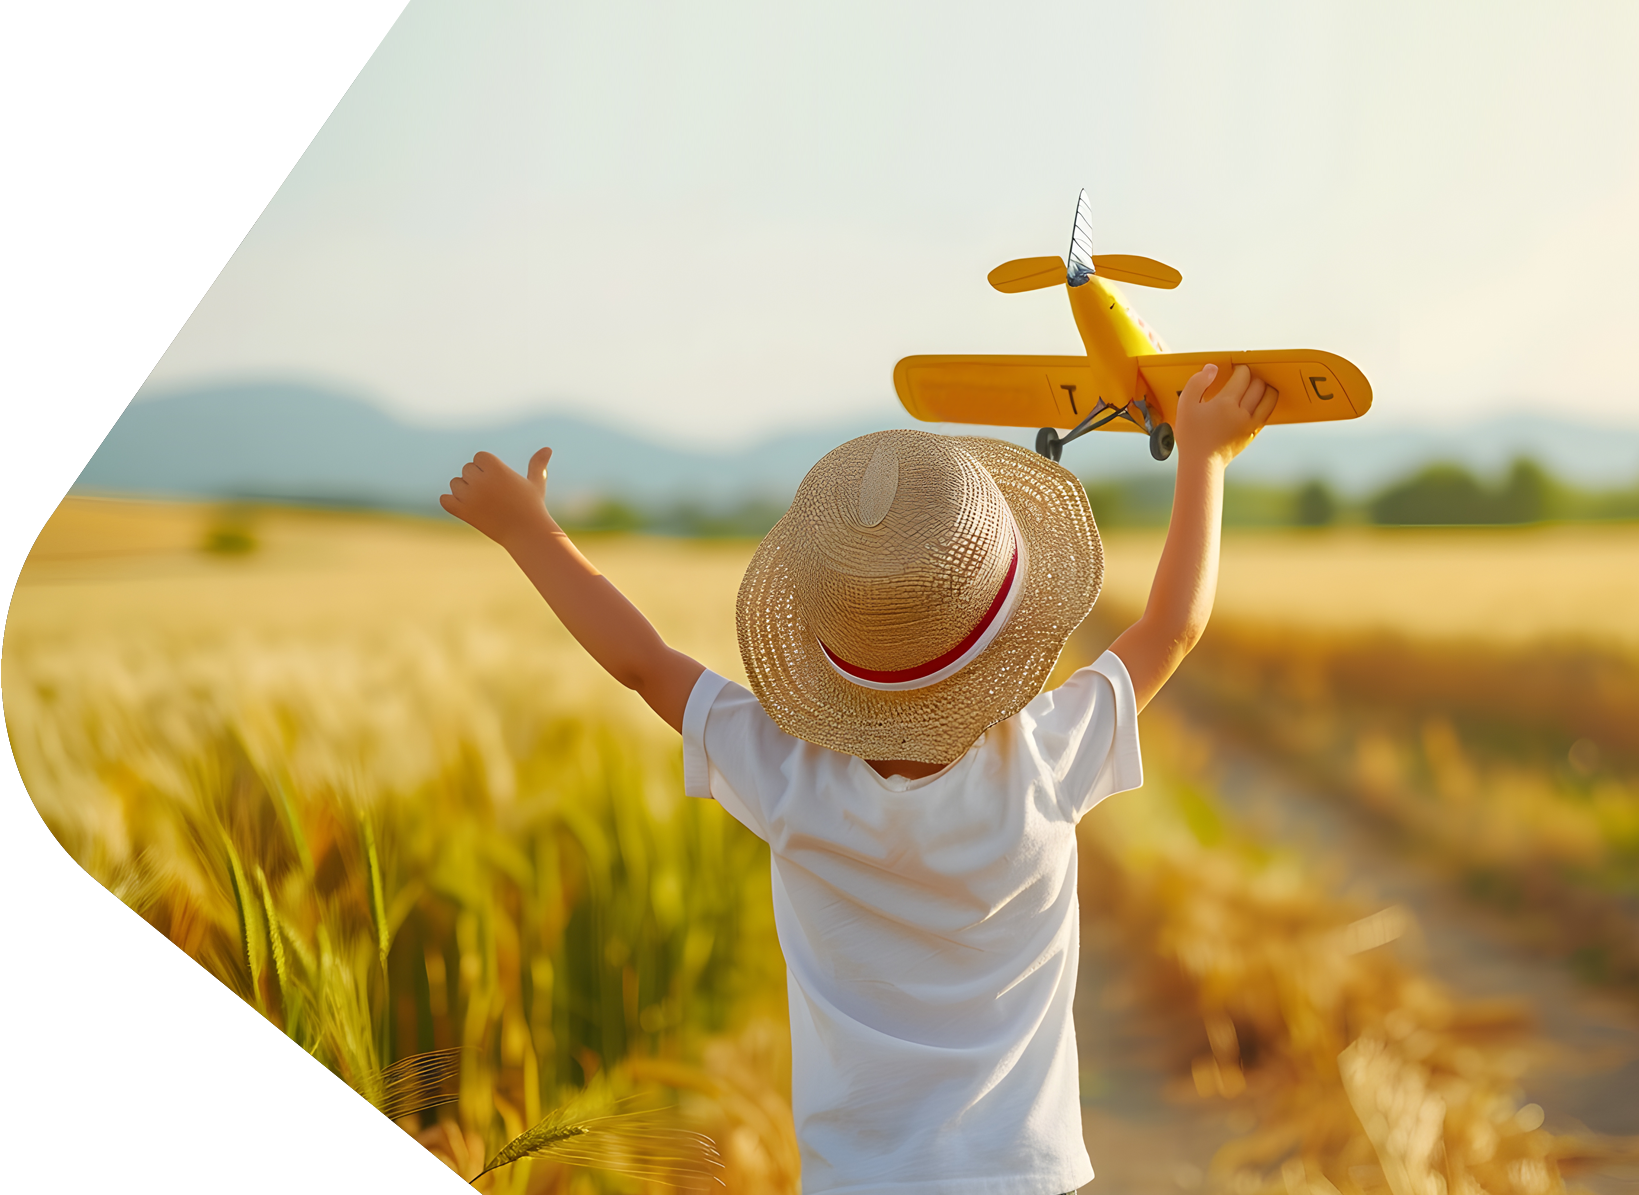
(636, 1144)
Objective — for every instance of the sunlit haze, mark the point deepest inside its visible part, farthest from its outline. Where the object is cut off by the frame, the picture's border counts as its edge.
(727, 220)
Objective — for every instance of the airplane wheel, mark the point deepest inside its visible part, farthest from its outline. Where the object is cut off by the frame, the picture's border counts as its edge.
(1048, 444)
(1161, 441)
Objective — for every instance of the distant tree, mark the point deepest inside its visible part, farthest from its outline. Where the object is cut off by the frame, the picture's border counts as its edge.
(752, 518)
(1527, 494)
(232, 532)
(1449, 494)
(1109, 502)
(1440, 494)
(1615, 504)
(1314, 505)
(609, 514)
(1141, 501)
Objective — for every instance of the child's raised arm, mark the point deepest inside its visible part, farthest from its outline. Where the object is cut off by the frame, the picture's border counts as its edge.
(511, 510)
(1211, 433)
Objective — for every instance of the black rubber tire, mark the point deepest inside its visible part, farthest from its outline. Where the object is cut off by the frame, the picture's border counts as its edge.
(1048, 444)
(1161, 441)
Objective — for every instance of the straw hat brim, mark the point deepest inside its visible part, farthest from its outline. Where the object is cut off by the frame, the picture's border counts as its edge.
(807, 698)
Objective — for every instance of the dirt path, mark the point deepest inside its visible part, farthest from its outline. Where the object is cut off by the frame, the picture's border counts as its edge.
(1147, 1131)
(1147, 1136)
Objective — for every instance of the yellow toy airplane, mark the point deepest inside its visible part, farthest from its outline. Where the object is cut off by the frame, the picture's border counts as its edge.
(1127, 374)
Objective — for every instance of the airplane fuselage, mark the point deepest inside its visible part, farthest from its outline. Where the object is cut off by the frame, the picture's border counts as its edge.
(1114, 338)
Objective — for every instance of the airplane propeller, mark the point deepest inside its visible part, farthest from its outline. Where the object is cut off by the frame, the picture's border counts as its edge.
(1140, 271)
(1033, 273)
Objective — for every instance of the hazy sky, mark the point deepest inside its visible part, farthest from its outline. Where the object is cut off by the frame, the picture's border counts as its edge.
(727, 219)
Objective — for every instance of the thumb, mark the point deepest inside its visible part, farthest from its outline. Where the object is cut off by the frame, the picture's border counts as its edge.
(1198, 384)
(537, 468)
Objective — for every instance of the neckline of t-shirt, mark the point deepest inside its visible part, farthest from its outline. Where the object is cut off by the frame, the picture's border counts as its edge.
(904, 784)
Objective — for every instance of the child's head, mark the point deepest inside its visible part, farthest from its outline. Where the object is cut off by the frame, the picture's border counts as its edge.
(919, 590)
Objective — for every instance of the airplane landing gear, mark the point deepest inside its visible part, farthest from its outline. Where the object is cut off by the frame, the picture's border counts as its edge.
(1051, 445)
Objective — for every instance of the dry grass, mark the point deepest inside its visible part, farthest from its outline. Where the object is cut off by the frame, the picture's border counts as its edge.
(1516, 768)
(1479, 689)
(1497, 586)
(1364, 1075)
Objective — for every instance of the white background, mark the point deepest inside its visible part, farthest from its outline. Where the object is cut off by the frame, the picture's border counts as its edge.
(141, 141)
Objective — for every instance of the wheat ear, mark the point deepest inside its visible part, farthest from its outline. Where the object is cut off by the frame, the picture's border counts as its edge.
(635, 1144)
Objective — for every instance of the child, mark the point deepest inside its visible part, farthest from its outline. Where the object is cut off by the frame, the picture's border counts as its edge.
(918, 796)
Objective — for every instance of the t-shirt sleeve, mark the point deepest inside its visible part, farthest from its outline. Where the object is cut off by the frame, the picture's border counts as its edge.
(1086, 732)
(732, 751)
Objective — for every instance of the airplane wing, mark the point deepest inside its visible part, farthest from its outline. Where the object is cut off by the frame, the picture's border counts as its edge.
(1014, 391)
(1003, 391)
(1315, 386)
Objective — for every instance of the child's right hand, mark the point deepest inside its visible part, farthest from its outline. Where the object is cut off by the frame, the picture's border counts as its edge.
(1220, 427)
(498, 501)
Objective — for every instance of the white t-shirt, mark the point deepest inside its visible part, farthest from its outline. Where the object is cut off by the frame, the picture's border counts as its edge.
(931, 935)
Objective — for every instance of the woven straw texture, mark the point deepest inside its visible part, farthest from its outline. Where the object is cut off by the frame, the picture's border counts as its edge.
(892, 551)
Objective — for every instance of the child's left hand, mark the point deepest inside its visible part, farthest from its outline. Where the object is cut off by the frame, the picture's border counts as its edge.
(1219, 428)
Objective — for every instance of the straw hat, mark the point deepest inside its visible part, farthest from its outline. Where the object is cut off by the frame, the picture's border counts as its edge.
(918, 591)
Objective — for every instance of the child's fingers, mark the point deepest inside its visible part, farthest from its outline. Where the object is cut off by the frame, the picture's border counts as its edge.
(1239, 378)
(1196, 386)
(488, 462)
(1266, 406)
(1254, 392)
(451, 505)
(538, 463)
(471, 471)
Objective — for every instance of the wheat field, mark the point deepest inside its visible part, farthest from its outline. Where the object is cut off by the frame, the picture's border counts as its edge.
(1507, 586)
(1503, 585)
(353, 766)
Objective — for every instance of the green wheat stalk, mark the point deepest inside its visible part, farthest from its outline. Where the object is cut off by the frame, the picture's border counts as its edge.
(378, 898)
(276, 947)
(250, 932)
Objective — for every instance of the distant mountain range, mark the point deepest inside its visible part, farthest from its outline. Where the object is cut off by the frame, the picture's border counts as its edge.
(288, 441)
